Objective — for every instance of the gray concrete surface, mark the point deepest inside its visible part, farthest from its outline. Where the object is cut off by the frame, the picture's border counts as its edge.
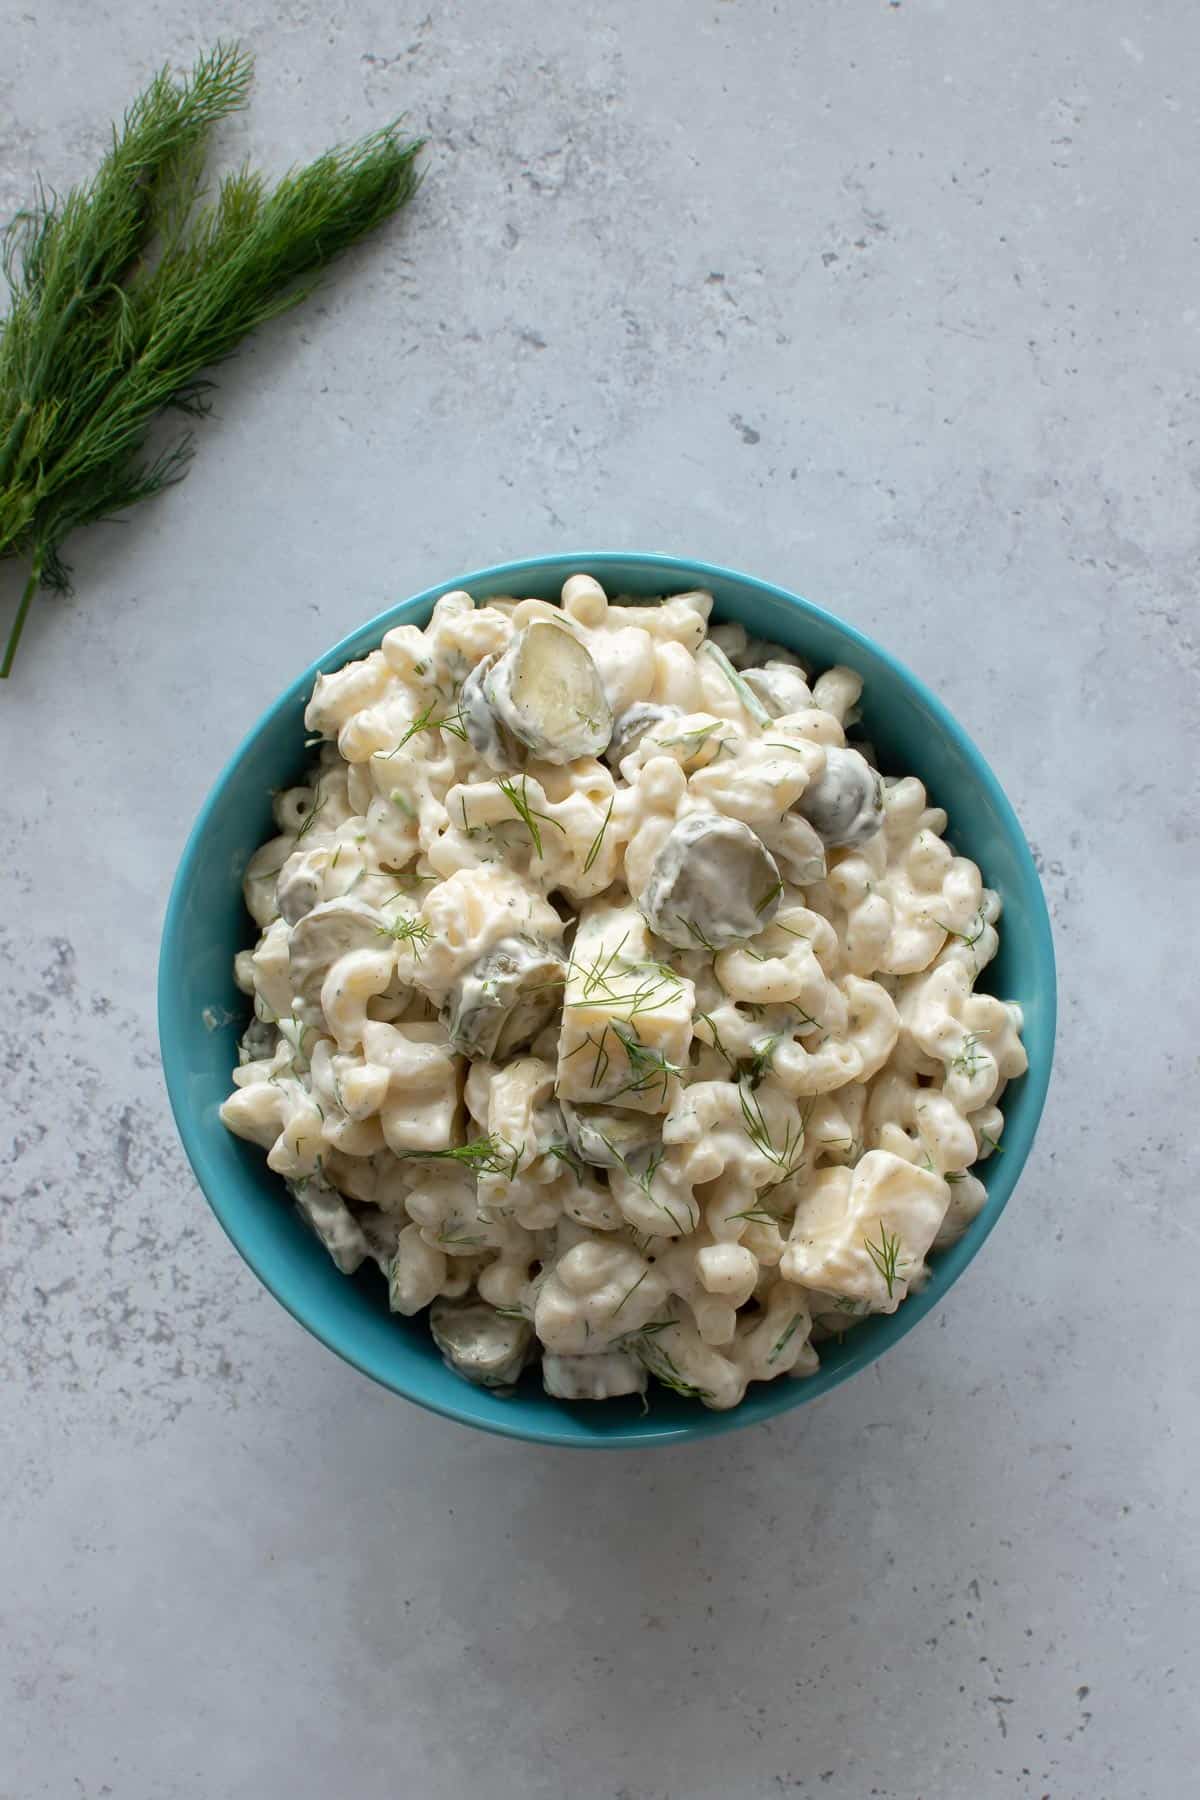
(899, 304)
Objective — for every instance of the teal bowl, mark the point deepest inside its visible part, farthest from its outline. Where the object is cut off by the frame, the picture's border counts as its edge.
(201, 1012)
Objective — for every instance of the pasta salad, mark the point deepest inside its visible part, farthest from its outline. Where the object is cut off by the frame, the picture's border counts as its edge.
(611, 1001)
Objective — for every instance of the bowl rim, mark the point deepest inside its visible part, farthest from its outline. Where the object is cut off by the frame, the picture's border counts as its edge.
(951, 1263)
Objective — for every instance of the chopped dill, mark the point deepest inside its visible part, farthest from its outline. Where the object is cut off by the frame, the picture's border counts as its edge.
(743, 691)
(755, 1215)
(648, 1068)
(885, 1255)
(660, 1363)
(970, 1059)
(716, 1040)
(426, 721)
(694, 931)
(311, 816)
(598, 840)
(691, 741)
(525, 811)
(759, 1064)
(414, 932)
(970, 939)
(563, 1153)
(772, 893)
(782, 1343)
(787, 1158)
(629, 1292)
(490, 1155)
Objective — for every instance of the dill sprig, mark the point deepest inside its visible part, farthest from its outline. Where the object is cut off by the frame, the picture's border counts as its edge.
(969, 1059)
(782, 1342)
(598, 840)
(125, 290)
(787, 1157)
(525, 811)
(742, 689)
(694, 931)
(885, 1255)
(414, 932)
(428, 721)
(969, 938)
(716, 1040)
(311, 816)
(599, 986)
(691, 741)
(629, 1292)
(564, 1154)
(648, 1068)
(490, 1155)
(659, 1362)
(772, 893)
(759, 1064)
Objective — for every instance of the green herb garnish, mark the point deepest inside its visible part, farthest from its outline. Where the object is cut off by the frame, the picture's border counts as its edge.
(598, 840)
(527, 813)
(782, 1343)
(427, 721)
(885, 1255)
(490, 1155)
(414, 932)
(127, 289)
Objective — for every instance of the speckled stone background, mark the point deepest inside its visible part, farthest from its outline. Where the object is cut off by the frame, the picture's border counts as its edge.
(897, 304)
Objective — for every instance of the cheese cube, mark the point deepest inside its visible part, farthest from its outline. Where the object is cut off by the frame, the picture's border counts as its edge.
(627, 1021)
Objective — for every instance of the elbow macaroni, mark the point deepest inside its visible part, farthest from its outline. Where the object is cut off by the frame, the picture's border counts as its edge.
(475, 1064)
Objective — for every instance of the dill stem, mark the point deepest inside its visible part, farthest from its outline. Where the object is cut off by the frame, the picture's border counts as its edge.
(18, 624)
(14, 440)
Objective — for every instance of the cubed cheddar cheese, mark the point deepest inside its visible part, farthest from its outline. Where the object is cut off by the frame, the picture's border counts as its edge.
(627, 1021)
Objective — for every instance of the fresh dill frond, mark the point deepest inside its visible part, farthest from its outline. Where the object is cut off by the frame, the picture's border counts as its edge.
(690, 741)
(662, 1365)
(969, 1059)
(564, 1154)
(629, 1292)
(885, 1255)
(490, 1155)
(598, 840)
(783, 1341)
(759, 1064)
(102, 336)
(694, 931)
(787, 1157)
(992, 1143)
(742, 689)
(717, 1045)
(414, 932)
(772, 893)
(755, 1215)
(311, 816)
(648, 1068)
(428, 721)
(526, 811)
(970, 939)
